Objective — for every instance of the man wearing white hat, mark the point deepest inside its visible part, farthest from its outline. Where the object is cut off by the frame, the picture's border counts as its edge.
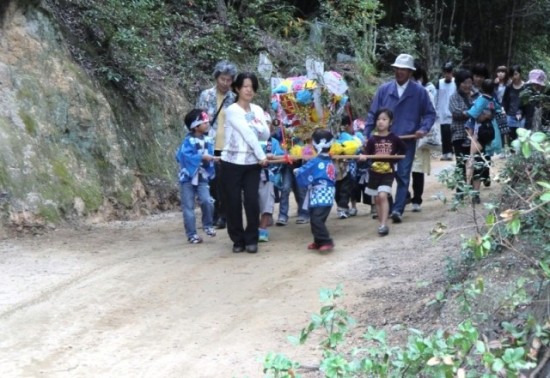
(413, 114)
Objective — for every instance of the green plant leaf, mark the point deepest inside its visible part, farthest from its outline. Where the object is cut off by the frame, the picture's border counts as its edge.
(538, 137)
(526, 150)
(545, 197)
(480, 346)
(514, 226)
(498, 365)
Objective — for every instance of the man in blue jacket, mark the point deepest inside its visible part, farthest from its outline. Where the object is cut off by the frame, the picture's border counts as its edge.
(413, 114)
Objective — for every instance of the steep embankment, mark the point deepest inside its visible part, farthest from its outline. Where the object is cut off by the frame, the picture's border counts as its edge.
(69, 146)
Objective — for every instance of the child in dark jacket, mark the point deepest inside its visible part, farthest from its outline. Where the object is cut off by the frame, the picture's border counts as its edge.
(319, 176)
(195, 157)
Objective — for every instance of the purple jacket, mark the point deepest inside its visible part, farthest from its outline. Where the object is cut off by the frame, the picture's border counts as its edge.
(412, 112)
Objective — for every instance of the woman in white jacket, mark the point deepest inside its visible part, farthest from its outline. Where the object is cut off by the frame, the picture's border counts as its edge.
(241, 161)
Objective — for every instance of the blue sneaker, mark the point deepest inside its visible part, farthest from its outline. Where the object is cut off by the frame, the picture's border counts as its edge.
(263, 235)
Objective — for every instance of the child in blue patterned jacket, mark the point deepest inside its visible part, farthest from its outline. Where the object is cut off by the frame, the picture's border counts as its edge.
(319, 176)
(268, 180)
(195, 157)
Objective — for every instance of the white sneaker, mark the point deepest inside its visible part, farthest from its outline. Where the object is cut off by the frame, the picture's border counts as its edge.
(352, 212)
(416, 208)
(343, 214)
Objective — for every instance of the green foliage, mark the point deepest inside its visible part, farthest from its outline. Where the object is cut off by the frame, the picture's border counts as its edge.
(463, 351)
(49, 212)
(398, 40)
(351, 26)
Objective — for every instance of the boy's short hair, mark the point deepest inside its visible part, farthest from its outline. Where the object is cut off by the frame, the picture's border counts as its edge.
(322, 140)
(487, 86)
(194, 116)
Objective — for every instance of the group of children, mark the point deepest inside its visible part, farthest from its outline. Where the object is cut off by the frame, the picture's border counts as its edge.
(317, 177)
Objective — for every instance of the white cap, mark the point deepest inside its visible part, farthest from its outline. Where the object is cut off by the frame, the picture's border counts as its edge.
(404, 61)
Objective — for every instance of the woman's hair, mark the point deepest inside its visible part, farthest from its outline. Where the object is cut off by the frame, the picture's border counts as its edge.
(239, 82)
(420, 74)
(386, 111)
(461, 76)
(514, 68)
(480, 69)
(503, 69)
(487, 86)
(225, 67)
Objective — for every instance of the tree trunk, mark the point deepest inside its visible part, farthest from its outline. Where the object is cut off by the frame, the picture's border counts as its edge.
(511, 36)
(222, 11)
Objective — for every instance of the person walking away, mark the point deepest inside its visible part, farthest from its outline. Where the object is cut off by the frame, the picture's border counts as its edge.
(515, 114)
(413, 114)
(445, 89)
(480, 73)
(195, 158)
(242, 158)
(215, 100)
(268, 175)
(423, 156)
(382, 171)
(319, 176)
(484, 141)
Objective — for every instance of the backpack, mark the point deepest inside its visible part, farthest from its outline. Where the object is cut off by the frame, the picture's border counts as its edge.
(485, 133)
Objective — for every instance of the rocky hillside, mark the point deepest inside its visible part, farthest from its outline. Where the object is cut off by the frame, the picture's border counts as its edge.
(70, 148)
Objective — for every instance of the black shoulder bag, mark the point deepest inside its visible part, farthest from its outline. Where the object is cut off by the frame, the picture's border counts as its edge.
(218, 112)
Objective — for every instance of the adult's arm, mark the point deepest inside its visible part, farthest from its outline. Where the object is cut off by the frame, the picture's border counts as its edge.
(456, 107)
(506, 99)
(428, 113)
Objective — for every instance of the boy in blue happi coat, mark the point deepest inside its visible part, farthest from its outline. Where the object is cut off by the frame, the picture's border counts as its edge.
(195, 157)
(319, 176)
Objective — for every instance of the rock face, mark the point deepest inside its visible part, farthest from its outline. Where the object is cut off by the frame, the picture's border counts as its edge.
(69, 147)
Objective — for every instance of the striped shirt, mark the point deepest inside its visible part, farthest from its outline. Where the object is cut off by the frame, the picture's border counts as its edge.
(457, 106)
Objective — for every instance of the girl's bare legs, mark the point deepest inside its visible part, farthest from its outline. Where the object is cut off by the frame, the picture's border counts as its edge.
(382, 207)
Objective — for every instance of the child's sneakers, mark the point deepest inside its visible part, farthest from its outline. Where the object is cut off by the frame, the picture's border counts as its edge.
(263, 235)
(326, 247)
(194, 239)
(210, 231)
(343, 213)
(383, 230)
(416, 208)
(373, 212)
(321, 247)
(352, 212)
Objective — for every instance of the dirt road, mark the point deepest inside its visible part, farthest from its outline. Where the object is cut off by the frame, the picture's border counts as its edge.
(133, 299)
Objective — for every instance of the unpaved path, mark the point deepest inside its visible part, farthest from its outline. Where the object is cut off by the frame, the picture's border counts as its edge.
(133, 299)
